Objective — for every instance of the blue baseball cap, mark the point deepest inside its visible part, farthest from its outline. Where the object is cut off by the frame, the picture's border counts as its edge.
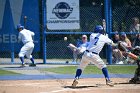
(20, 26)
(98, 29)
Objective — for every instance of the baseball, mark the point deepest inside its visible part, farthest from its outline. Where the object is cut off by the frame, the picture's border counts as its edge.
(65, 38)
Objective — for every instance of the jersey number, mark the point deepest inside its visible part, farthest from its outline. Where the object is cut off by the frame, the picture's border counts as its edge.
(96, 40)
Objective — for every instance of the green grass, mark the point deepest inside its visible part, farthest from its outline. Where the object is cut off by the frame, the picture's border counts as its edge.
(93, 70)
(4, 72)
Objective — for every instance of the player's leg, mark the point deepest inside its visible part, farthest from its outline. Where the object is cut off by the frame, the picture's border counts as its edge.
(101, 65)
(22, 54)
(81, 67)
(107, 78)
(106, 75)
(33, 63)
(22, 61)
(32, 59)
(28, 54)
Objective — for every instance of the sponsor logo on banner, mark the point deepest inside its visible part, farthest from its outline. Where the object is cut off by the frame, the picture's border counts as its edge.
(62, 10)
(63, 14)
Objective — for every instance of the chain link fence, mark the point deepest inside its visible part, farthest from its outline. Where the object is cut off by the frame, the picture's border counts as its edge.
(127, 27)
(57, 50)
(122, 17)
(57, 46)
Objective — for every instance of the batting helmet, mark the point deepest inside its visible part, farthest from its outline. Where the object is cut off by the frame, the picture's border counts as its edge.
(98, 29)
(19, 26)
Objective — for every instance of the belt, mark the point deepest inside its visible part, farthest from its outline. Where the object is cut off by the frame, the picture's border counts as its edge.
(92, 52)
(28, 42)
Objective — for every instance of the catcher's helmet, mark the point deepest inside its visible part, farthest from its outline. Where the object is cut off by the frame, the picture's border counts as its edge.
(20, 26)
(98, 29)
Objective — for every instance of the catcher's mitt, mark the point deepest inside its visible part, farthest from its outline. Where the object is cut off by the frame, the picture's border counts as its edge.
(136, 51)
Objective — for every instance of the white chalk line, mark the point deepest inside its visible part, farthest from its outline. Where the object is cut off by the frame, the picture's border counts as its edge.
(56, 91)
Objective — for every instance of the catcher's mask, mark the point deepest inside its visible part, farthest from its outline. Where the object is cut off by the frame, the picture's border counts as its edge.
(136, 51)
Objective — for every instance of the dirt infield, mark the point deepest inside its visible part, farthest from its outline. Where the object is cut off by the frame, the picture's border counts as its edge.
(86, 85)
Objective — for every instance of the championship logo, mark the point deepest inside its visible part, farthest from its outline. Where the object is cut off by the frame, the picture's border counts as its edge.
(62, 10)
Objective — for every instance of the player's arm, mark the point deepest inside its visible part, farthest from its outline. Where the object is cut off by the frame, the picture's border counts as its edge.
(133, 56)
(127, 52)
(110, 42)
(113, 44)
(32, 34)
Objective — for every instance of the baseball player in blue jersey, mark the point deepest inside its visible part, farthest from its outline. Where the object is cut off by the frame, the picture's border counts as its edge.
(96, 43)
(26, 37)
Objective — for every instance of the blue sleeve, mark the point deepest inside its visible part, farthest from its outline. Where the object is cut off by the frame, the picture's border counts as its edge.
(79, 42)
(87, 44)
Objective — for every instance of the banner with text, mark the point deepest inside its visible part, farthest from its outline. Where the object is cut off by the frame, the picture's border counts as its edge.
(63, 14)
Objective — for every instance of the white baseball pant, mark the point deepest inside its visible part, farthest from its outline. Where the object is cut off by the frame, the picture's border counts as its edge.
(93, 58)
(27, 50)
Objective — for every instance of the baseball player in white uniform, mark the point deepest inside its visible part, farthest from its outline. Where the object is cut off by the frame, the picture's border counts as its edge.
(97, 41)
(26, 36)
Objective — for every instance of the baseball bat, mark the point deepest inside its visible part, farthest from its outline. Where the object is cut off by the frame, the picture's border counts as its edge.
(104, 26)
(25, 20)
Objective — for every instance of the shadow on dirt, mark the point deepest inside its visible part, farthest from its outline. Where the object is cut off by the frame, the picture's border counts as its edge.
(79, 87)
(125, 83)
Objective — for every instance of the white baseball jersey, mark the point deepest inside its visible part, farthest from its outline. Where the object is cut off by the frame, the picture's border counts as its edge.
(97, 42)
(26, 36)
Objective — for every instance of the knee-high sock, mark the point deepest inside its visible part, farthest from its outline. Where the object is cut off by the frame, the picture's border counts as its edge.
(32, 60)
(105, 72)
(78, 73)
(22, 59)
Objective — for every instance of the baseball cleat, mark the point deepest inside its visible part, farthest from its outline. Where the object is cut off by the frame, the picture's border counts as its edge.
(75, 82)
(109, 83)
(32, 65)
(22, 65)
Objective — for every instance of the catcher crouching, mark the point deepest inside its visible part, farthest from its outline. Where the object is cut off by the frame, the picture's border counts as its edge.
(136, 56)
